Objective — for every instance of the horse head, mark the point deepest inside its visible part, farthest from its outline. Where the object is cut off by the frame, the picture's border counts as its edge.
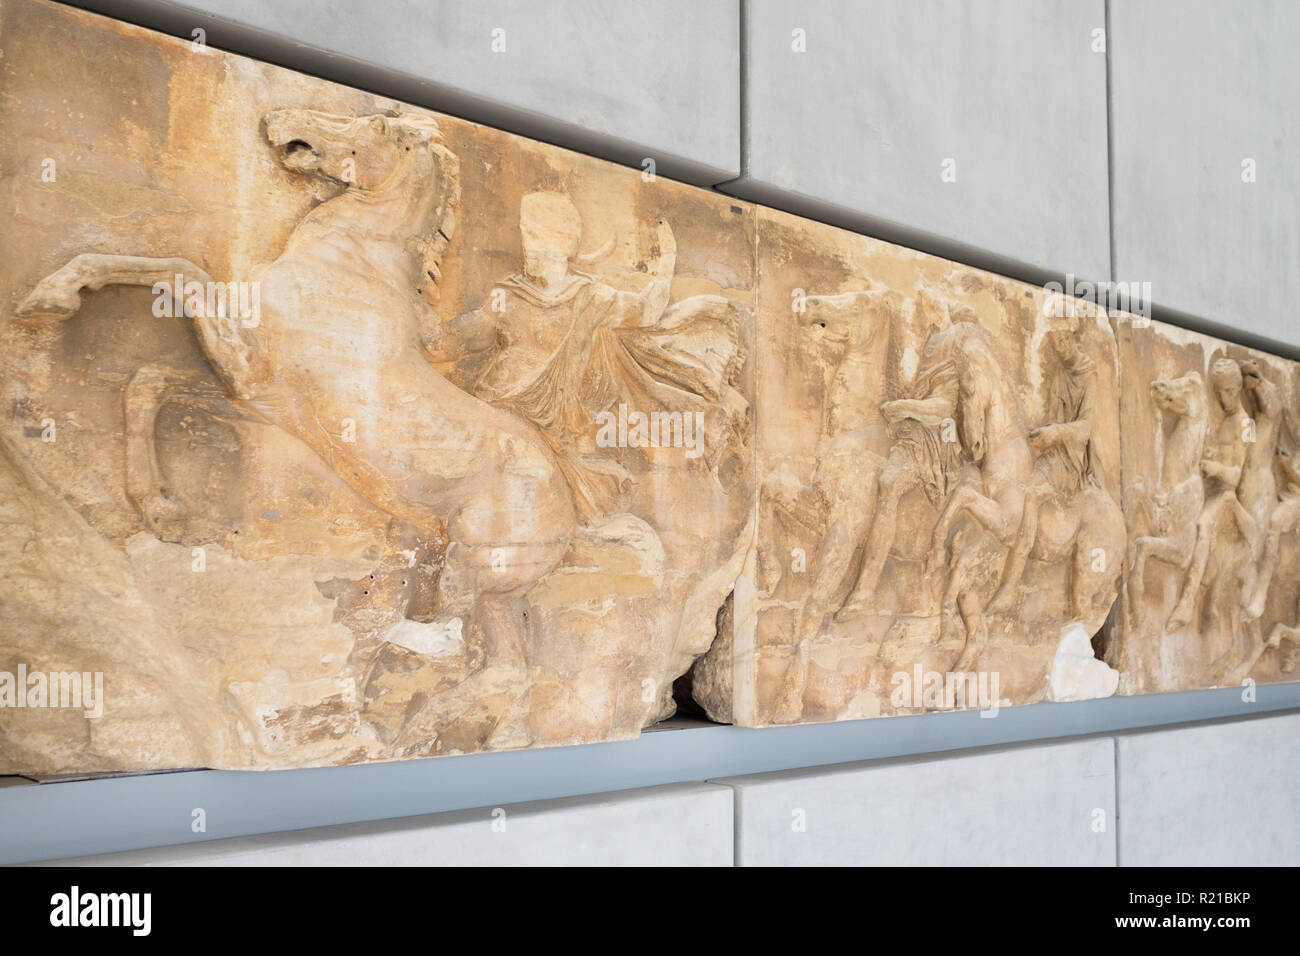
(1182, 397)
(402, 154)
(988, 410)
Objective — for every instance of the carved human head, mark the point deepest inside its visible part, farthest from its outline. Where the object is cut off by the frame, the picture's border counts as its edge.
(931, 310)
(551, 230)
(961, 312)
(1063, 317)
(1225, 377)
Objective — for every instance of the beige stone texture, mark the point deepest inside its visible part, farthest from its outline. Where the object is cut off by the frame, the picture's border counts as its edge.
(939, 458)
(467, 468)
(1212, 506)
(337, 431)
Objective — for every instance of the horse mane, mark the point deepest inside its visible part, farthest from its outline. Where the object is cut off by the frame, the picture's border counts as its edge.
(987, 372)
(422, 131)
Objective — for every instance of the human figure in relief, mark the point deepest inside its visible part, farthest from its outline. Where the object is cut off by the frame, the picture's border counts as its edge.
(1284, 519)
(926, 451)
(855, 327)
(1062, 445)
(560, 346)
(1221, 466)
(1259, 485)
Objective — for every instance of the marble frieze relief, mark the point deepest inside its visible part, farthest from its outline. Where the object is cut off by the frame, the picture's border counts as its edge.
(337, 430)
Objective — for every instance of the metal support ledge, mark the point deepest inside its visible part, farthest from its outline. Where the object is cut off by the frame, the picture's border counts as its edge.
(102, 815)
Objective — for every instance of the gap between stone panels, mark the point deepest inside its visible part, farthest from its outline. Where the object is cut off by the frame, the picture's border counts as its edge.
(755, 472)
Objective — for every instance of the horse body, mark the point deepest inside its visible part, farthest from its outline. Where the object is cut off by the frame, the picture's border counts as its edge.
(352, 381)
(993, 436)
(335, 360)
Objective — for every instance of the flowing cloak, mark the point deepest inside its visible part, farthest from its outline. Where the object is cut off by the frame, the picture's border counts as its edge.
(611, 353)
(1070, 400)
(937, 462)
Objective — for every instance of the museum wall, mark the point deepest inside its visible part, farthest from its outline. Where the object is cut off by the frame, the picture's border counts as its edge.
(1135, 145)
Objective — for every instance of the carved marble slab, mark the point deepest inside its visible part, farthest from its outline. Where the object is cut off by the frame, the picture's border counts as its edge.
(336, 430)
(1212, 506)
(939, 458)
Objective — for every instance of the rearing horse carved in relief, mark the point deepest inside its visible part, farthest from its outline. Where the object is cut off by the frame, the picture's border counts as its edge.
(335, 359)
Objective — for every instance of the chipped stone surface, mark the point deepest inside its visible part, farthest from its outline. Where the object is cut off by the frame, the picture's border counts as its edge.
(466, 468)
(939, 458)
(1212, 505)
(339, 431)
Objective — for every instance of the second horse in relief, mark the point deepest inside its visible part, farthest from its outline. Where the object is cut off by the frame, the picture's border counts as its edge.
(1002, 493)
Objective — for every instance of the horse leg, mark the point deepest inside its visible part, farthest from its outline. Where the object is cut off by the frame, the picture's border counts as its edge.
(850, 516)
(956, 584)
(1168, 549)
(1283, 632)
(967, 603)
(499, 553)
(145, 482)
(1255, 648)
(894, 482)
(1134, 587)
(838, 545)
(788, 706)
(1000, 516)
(1025, 537)
(1183, 610)
(961, 499)
(1082, 593)
(59, 293)
(418, 546)
(232, 351)
(1284, 517)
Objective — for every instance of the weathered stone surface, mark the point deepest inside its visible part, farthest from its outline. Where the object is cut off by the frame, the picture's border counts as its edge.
(467, 468)
(338, 431)
(939, 459)
(1212, 505)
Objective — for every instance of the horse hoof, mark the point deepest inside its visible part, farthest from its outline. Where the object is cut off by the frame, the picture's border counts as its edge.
(51, 301)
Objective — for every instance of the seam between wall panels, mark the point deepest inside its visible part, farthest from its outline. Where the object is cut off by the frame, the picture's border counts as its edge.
(1110, 147)
(1114, 750)
(742, 42)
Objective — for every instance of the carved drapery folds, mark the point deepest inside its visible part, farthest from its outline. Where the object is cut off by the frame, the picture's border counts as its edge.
(339, 431)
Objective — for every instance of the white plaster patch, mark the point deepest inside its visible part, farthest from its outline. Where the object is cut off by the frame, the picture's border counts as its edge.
(431, 640)
(1076, 673)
